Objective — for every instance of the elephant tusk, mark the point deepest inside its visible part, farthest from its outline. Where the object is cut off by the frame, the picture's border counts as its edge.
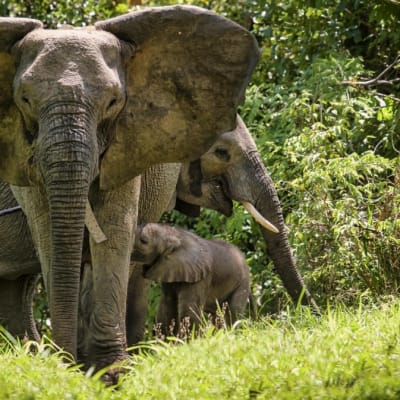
(92, 225)
(259, 218)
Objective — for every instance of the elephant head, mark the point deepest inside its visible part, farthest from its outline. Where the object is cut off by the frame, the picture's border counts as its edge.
(168, 255)
(232, 169)
(105, 103)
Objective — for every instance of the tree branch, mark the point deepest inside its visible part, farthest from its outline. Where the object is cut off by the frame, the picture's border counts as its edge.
(377, 80)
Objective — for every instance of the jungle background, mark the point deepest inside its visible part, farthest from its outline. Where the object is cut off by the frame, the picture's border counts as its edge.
(324, 109)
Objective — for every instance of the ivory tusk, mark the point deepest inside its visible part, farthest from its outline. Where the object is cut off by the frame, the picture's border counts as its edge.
(259, 218)
(93, 227)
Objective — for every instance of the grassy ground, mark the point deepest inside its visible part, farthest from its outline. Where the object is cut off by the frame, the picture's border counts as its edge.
(342, 355)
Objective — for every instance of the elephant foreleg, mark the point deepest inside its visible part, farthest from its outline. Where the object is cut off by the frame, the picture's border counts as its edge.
(237, 304)
(116, 213)
(85, 310)
(16, 306)
(167, 314)
(27, 299)
(191, 302)
(137, 305)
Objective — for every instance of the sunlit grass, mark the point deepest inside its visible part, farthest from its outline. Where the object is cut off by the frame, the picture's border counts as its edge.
(342, 355)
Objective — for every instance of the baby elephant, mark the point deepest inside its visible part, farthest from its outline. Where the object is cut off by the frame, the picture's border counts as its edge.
(196, 274)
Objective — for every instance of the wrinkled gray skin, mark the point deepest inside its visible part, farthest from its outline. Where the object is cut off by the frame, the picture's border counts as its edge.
(232, 169)
(20, 268)
(197, 275)
(84, 112)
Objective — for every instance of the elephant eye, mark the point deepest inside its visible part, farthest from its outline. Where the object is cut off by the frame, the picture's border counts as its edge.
(143, 240)
(222, 153)
(25, 100)
(112, 103)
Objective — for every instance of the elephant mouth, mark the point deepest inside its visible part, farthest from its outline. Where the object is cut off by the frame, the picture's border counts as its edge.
(147, 269)
(221, 197)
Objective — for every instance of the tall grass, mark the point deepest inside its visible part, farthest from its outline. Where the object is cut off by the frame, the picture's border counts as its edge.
(341, 355)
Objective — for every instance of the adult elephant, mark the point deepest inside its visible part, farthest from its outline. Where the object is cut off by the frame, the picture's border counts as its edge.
(83, 113)
(232, 169)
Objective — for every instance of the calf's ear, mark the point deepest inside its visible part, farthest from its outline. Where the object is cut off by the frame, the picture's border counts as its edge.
(185, 259)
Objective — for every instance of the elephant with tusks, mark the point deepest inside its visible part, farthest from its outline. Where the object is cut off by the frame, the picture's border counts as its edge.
(84, 112)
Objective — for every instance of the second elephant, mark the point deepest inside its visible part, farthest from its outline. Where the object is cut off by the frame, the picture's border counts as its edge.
(196, 275)
(231, 170)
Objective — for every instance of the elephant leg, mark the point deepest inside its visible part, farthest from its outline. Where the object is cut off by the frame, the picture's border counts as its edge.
(28, 295)
(16, 306)
(137, 305)
(167, 313)
(116, 212)
(85, 310)
(191, 301)
(37, 212)
(237, 304)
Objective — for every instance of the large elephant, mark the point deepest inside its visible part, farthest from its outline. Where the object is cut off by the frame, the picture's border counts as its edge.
(83, 113)
(232, 169)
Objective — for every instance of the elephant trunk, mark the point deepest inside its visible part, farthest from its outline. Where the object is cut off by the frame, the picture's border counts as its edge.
(65, 154)
(266, 201)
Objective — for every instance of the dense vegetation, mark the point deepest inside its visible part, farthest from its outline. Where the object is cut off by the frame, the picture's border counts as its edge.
(343, 355)
(323, 106)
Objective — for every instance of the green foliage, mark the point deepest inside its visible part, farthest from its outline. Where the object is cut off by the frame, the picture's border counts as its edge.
(332, 150)
(56, 13)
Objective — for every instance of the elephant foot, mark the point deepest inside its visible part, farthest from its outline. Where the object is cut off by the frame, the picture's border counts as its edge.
(111, 365)
(111, 377)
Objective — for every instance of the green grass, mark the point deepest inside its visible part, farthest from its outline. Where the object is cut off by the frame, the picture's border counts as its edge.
(342, 355)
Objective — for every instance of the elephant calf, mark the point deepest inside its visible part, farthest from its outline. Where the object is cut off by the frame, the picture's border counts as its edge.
(196, 274)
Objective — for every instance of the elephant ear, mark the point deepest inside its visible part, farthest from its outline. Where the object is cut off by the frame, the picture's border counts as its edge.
(14, 148)
(184, 84)
(186, 259)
